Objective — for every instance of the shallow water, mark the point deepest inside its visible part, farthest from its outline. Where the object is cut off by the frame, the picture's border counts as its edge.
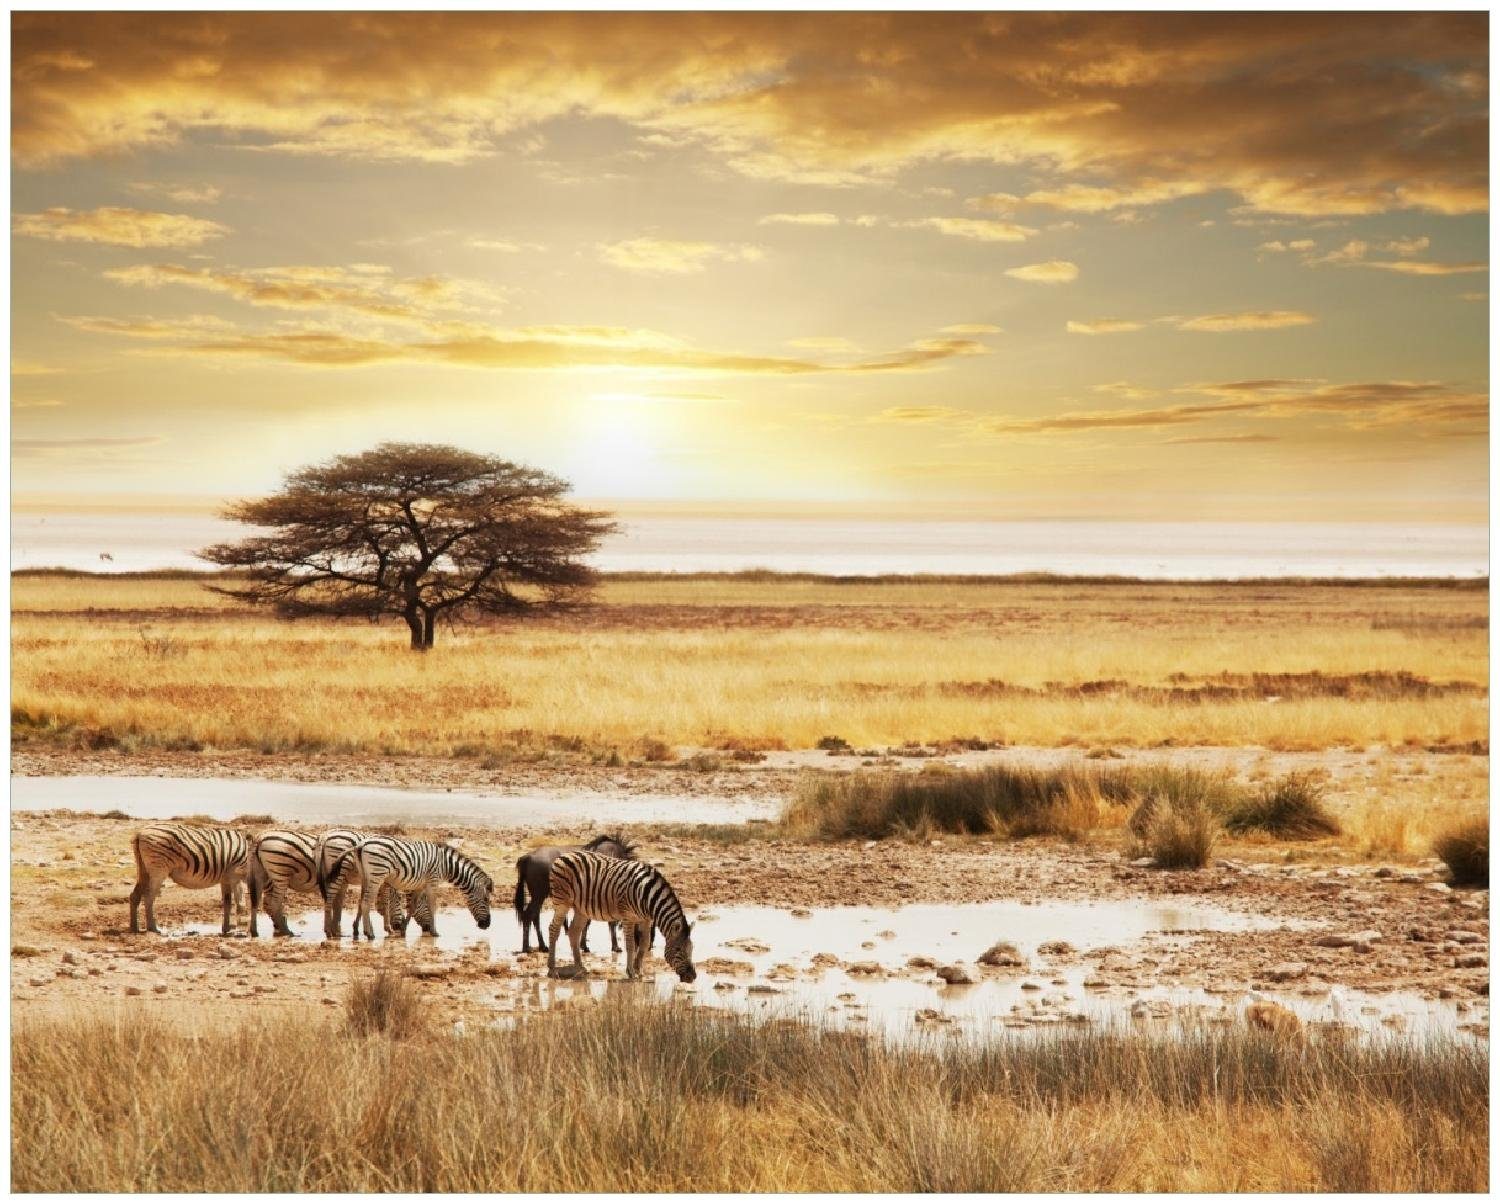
(784, 982)
(223, 799)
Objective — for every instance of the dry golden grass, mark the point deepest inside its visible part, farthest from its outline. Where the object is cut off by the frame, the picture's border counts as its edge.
(770, 663)
(645, 1098)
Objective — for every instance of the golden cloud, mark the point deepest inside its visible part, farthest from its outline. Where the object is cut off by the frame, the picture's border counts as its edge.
(671, 257)
(978, 229)
(917, 414)
(117, 227)
(182, 194)
(1104, 326)
(972, 328)
(799, 219)
(523, 348)
(1299, 113)
(367, 289)
(1053, 271)
(1259, 319)
(1417, 267)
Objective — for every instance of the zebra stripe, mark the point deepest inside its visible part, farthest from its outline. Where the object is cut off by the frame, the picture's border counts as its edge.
(606, 888)
(192, 856)
(413, 866)
(284, 861)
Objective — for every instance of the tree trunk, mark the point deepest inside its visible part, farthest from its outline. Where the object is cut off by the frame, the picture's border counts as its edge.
(429, 626)
(418, 631)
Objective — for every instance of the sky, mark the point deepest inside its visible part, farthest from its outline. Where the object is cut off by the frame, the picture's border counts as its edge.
(1147, 266)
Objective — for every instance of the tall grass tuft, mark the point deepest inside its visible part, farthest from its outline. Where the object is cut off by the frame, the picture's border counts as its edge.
(385, 1004)
(1290, 808)
(1465, 850)
(628, 1096)
(1178, 837)
(999, 799)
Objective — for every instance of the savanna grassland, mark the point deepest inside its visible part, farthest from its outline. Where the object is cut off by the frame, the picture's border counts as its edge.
(766, 662)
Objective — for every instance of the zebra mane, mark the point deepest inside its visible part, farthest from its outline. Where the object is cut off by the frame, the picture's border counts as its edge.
(670, 895)
(462, 859)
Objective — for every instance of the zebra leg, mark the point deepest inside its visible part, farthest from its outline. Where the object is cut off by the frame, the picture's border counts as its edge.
(153, 888)
(614, 939)
(226, 890)
(369, 894)
(642, 944)
(276, 903)
(554, 930)
(585, 937)
(630, 966)
(577, 930)
(137, 893)
(533, 916)
(424, 907)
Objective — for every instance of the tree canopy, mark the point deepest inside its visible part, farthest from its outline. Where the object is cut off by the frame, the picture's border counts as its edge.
(419, 530)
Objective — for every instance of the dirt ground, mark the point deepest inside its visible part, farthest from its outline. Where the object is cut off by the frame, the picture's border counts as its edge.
(1358, 924)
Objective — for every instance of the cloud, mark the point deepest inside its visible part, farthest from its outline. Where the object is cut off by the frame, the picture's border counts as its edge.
(506, 245)
(1104, 326)
(1222, 439)
(972, 328)
(32, 368)
(1475, 296)
(799, 219)
(917, 414)
(1406, 246)
(671, 257)
(1305, 113)
(40, 404)
(117, 227)
(1417, 267)
(182, 194)
(366, 289)
(37, 448)
(1259, 319)
(1053, 271)
(977, 229)
(522, 348)
(824, 343)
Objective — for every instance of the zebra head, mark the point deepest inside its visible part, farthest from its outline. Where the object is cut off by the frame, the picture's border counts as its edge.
(478, 892)
(679, 951)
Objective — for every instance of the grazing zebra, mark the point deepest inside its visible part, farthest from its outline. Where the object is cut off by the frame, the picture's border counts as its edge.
(606, 888)
(533, 873)
(284, 861)
(330, 848)
(190, 855)
(413, 866)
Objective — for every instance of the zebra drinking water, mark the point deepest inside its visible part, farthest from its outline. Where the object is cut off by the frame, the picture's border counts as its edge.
(606, 888)
(533, 873)
(283, 861)
(190, 855)
(413, 866)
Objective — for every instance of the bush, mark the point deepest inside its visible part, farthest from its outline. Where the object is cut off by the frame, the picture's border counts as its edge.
(1180, 837)
(385, 1003)
(1291, 808)
(1465, 850)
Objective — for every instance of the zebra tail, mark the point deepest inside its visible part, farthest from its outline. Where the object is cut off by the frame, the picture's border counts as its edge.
(521, 864)
(253, 872)
(135, 849)
(326, 879)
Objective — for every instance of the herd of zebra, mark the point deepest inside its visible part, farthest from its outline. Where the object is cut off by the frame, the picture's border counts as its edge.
(601, 880)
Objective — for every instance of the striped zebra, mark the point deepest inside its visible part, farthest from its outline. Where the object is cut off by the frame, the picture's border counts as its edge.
(284, 861)
(333, 883)
(193, 856)
(607, 888)
(413, 866)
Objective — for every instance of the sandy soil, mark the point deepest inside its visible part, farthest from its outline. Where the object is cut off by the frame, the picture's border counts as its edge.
(1375, 927)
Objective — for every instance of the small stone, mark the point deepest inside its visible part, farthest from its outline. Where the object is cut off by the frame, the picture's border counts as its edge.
(159, 988)
(132, 990)
(1055, 948)
(922, 963)
(1003, 954)
(1439, 888)
(956, 974)
(1471, 961)
(870, 969)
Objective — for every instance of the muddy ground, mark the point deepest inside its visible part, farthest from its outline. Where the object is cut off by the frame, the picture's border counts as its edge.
(1365, 926)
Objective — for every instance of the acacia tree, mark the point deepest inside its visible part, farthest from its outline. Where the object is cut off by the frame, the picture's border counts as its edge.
(418, 530)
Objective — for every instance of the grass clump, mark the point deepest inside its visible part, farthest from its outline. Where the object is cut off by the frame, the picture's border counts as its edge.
(1014, 801)
(387, 1004)
(1290, 808)
(1465, 850)
(674, 1099)
(1178, 837)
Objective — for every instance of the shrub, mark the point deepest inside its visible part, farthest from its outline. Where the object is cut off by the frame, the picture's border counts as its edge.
(251, 821)
(1179, 837)
(1465, 850)
(384, 1003)
(1290, 807)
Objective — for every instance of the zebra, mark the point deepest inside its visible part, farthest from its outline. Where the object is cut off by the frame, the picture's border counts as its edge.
(283, 861)
(330, 847)
(606, 888)
(533, 871)
(190, 855)
(412, 866)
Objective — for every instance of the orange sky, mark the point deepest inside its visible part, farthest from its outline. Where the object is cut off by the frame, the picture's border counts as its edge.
(1121, 265)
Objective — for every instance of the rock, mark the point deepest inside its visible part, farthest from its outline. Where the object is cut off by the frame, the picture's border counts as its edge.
(1003, 954)
(1439, 888)
(1055, 948)
(159, 988)
(1471, 961)
(748, 944)
(132, 990)
(70, 959)
(1143, 863)
(724, 965)
(800, 912)
(763, 988)
(957, 974)
(869, 969)
(921, 962)
(1347, 940)
(1462, 936)
(1031, 986)
(1273, 1018)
